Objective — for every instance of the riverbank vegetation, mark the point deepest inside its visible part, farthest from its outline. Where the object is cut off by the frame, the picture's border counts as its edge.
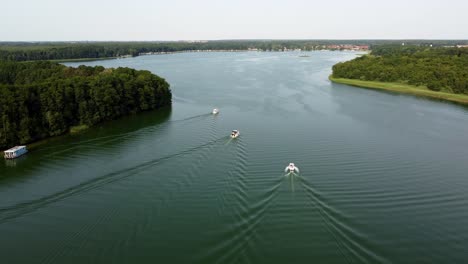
(435, 72)
(404, 88)
(77, 129)
(43, 99)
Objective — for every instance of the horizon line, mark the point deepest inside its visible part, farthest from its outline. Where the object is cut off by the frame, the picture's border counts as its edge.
(246, 39)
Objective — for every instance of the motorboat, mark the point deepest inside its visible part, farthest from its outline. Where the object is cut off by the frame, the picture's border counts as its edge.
(215, 111)
(235, 133)
(291, 168)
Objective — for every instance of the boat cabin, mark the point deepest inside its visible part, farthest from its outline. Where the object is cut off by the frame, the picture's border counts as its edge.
(234, 133)
(15, 152)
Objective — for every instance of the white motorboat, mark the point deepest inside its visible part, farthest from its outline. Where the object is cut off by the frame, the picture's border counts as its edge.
(291, 168)
(235, 133)
(215, 111)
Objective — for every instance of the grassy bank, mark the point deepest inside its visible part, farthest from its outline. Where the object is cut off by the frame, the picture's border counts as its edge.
(73, 130)
(403, 88)
(78, 129)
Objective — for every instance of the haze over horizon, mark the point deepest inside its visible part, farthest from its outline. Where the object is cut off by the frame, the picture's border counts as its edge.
(144, 20)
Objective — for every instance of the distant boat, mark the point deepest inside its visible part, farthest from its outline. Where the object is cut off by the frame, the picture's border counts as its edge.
(235, 133)
(215, 111)
(15, 152)
(304, 56)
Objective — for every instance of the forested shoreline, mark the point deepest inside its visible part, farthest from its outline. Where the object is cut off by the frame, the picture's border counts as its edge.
(23, 51)
(43, 99)
(28, 51)
(443, 69)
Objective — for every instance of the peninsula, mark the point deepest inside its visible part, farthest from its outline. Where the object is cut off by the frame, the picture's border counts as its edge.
(435, 72)
(43, 99)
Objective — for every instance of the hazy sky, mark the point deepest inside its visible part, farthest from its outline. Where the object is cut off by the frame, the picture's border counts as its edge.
(235, 19)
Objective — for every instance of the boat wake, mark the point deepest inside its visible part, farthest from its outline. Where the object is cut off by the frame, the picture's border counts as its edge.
(232, 244)
(14, 211)
(352, 244)
(292, 176)
(104, 140)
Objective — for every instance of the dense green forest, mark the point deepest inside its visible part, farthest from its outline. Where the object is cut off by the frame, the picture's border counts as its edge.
(43, 99)
(26, 51)
(437, 68)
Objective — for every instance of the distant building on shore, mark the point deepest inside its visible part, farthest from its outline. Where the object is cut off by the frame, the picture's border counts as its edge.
(348, 47)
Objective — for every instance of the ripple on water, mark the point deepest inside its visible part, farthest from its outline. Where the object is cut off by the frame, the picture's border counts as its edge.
(383, 177)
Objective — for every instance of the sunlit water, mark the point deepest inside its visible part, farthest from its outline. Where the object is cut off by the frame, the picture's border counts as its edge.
(383, 177)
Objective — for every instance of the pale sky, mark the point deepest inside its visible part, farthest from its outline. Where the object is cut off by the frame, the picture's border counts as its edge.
(56, 20)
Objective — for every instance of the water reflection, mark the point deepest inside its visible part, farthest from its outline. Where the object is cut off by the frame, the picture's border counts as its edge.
(116, 133)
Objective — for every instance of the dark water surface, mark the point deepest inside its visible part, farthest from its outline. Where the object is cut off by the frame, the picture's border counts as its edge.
(384, 177)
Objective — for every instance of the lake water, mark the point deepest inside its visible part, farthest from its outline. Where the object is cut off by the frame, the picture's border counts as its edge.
(384, 177)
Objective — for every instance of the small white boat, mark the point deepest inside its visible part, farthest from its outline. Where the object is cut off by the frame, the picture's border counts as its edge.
(291, 168)
(15, 152)
(235, 133)
(215, 111)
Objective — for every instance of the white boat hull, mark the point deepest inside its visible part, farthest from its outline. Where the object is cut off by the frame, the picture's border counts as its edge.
(235, 133)
(291, 168)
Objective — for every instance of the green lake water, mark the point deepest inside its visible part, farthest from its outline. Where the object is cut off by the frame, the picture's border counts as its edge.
(384, 177)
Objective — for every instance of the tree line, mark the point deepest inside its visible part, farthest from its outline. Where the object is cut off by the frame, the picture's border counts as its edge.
(27, 51)
(43, 99)
(437, 68)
